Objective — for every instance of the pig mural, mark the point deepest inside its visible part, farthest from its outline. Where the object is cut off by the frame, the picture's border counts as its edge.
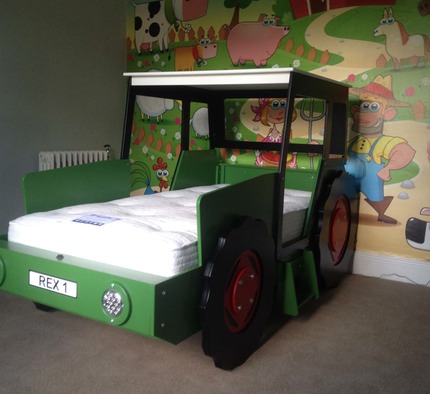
(187, 56)
(153, 20)
(255, 41)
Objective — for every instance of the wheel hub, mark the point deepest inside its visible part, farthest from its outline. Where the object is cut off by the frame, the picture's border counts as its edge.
(243, 292)
(339, 229)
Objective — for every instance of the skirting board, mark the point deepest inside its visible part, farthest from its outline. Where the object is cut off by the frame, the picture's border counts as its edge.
(392, 268)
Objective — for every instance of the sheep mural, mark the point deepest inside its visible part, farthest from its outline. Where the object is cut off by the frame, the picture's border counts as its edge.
(200, 123)
(154, 107)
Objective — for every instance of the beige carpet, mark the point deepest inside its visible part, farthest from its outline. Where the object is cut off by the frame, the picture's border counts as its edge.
(367, 336)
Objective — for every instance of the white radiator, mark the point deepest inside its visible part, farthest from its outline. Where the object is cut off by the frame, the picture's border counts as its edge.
(59, 159)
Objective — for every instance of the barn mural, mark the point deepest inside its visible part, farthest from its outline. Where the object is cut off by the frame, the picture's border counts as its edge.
(380, 48)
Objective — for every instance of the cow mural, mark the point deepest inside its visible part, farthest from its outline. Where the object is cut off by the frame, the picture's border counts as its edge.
(187, 56)
(418, 231)
(153, 20)
(255, 41)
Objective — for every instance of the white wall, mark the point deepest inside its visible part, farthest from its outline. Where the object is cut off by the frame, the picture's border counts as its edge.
(61, 84)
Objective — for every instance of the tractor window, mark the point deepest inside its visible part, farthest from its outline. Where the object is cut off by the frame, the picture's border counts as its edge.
(157, 138)
(263, 120)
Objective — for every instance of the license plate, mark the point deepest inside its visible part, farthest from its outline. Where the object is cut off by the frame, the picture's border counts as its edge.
(51, 283)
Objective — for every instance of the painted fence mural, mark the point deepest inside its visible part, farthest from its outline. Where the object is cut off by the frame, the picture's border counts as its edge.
(380, 48)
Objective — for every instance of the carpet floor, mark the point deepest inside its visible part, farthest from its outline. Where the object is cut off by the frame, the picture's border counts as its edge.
(366, 336)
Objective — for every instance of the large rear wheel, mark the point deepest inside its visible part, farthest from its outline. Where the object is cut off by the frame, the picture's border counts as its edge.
(238, 294)
(334, 240)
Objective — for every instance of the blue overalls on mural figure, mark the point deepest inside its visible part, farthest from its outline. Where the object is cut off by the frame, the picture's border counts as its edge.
(365, 164)
(365, 170)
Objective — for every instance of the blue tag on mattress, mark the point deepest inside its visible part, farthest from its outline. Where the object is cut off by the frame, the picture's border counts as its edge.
(95, 220)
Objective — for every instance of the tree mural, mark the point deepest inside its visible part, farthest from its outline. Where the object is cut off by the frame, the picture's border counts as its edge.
(282, 9)
(237, 5)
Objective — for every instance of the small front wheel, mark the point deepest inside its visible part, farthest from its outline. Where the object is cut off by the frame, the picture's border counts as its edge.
(43, 308)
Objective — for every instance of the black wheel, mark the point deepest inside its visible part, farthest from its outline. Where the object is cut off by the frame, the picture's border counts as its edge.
(335, 239)
(238, 294)
(43, 308)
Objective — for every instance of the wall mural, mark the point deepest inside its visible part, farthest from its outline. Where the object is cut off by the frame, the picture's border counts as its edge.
(380, 48)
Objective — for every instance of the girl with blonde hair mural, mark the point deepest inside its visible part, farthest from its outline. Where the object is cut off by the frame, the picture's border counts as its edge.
(271, 112)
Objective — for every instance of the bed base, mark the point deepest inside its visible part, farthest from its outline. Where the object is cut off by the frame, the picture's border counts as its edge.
(153, 306)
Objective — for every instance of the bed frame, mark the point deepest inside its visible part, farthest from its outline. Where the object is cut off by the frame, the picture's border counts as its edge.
(241, 253)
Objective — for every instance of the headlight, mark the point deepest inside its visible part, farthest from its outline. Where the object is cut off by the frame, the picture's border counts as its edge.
(115, 303)
(112, 303)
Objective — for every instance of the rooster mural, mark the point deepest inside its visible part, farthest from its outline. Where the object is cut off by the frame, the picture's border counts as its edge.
(141, 176)
(162, 173)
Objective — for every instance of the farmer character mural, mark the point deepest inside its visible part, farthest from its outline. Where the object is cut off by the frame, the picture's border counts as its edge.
(373, 155)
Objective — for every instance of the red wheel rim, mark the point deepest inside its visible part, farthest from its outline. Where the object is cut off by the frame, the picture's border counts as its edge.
(243, 292)
(339, 229)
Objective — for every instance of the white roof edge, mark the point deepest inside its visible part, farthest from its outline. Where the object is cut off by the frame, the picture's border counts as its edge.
(212, 77)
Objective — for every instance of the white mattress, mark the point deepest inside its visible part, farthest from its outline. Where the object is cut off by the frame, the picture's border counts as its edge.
(156, 233)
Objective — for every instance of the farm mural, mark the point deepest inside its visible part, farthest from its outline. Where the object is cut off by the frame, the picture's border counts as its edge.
(380, 48)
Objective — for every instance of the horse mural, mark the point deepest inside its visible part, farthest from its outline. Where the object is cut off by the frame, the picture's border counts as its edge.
(399, 44)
